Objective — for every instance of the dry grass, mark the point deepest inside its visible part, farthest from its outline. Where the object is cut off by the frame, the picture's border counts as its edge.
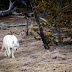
(32, 57)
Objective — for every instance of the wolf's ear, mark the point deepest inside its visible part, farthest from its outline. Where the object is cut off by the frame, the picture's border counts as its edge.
(13, 42)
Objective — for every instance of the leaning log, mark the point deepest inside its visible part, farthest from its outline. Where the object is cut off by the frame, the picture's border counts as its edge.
(40, 27)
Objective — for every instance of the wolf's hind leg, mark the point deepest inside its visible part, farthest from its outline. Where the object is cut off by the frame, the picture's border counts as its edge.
(5, 53)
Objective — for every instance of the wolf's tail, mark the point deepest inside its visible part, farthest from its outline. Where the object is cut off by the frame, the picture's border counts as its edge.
(3, 47)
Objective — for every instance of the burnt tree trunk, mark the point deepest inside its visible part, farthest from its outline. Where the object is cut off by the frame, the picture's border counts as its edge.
(40, 27)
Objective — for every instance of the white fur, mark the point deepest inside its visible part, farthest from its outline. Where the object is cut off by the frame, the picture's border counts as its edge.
(10, 42)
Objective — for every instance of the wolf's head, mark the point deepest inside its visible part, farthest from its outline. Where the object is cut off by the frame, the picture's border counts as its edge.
(16, 44)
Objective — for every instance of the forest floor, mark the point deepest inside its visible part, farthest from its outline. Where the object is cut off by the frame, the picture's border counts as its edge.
(31, 55)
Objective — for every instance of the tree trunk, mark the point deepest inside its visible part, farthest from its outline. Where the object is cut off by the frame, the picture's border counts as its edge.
(58, 28)
(40, 27)
(27, 27)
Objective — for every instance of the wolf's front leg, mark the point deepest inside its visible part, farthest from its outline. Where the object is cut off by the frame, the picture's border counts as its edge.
(13, 53)
(9, 52)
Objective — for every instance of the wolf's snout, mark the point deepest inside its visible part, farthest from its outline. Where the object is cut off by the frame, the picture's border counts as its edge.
(16, 49)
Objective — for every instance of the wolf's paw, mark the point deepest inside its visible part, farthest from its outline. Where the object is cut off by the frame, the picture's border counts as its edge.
(13, 56)
(5, 54)
(9, 55)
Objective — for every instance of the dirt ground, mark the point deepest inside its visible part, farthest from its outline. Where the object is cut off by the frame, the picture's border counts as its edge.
(31, 55)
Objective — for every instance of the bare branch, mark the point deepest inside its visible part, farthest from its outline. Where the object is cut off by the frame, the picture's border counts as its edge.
(67, 5)
(43, 19)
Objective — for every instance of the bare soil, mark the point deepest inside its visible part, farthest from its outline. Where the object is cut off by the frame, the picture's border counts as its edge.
(31, 55)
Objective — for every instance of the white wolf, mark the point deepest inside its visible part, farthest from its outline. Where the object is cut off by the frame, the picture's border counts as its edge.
(10, 42)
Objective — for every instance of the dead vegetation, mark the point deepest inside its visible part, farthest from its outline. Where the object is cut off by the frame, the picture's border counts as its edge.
(31, 56)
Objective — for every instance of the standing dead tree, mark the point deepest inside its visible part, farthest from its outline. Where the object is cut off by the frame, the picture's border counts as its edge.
(40, 27)
(28, 16)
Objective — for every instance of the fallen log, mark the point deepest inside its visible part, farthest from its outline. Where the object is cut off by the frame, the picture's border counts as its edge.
(14, 25)
(9, 11)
